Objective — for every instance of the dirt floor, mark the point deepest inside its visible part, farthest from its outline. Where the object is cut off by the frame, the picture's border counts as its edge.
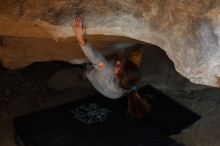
(25, 90)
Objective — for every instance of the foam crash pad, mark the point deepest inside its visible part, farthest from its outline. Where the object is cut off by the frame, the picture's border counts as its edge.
(99, 121)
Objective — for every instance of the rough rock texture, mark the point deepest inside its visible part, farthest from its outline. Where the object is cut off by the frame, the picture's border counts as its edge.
(18, 52)
(189, 31)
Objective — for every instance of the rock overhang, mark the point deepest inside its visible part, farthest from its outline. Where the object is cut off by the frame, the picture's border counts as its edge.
(188, 31)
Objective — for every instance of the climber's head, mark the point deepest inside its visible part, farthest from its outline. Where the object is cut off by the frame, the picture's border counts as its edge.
(128, 73)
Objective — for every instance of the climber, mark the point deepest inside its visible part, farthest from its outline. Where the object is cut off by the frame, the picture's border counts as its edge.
(113, 79)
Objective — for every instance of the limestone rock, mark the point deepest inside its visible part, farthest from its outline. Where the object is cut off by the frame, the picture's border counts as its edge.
(188, 31)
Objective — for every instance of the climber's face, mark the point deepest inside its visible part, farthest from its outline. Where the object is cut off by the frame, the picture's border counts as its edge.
(117, 67)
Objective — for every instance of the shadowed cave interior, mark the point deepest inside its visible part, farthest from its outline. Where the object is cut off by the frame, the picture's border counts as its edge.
(49, 83)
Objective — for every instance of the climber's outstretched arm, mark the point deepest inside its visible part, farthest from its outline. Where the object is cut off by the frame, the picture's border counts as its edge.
(97, 59)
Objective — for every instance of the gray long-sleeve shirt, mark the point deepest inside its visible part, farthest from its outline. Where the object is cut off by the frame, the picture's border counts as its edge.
(102, 77)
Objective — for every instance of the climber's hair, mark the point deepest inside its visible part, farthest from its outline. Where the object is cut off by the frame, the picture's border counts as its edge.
(129, 75)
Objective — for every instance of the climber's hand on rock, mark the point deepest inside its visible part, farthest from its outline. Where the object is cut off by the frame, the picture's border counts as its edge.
(79, 30)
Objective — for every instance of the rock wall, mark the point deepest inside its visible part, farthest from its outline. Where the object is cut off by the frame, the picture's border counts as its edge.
(188, 31)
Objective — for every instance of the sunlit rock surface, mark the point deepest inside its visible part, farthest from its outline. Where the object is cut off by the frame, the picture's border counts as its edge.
(188, 31)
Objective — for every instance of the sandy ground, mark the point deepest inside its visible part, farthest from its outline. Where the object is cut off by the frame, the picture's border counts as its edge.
(25, 91)
(206, 102)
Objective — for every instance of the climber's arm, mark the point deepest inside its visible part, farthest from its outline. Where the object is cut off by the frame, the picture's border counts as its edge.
(97, 59)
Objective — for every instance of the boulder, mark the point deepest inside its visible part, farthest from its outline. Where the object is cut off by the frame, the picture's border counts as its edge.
(188, 31)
